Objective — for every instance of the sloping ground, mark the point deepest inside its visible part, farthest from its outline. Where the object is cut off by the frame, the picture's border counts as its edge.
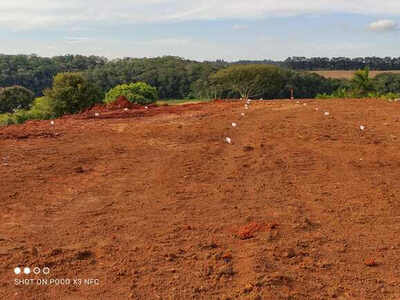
(157, 206)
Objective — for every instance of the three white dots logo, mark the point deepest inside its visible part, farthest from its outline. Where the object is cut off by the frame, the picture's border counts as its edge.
(27, 270)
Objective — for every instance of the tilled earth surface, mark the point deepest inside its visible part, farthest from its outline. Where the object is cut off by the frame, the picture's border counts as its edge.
(154, 204)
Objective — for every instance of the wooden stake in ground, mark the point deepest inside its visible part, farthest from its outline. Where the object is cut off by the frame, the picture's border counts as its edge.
(53, 124)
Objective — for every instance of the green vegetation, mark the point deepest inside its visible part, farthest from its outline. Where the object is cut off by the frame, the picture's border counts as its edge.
(173, 77)
(42, 109)
(342, 63)
(268, 82)
(139, 93)
(15, 97)
(361, 83)
(37, 73)
(6, 119)
(251, 80)
(384, 86)
(72, 93)
(387, 83)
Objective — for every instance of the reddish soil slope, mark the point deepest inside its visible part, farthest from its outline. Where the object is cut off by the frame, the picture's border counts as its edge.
(156, 205)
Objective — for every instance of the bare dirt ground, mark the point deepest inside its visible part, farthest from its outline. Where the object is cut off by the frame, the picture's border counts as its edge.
(155, 205)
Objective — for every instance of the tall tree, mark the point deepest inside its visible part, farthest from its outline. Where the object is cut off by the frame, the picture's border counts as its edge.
(15, 97)
(251, 80)
(361, 82)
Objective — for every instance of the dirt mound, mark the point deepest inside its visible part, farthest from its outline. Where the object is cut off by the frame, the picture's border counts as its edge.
(95, 109)
(119, 104)
(122, 103)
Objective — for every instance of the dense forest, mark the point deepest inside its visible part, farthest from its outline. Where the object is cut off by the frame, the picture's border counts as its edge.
(173, 77)
(37, 73)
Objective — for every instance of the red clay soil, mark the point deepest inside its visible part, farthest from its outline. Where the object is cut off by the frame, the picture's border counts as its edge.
(150, 204)
(118, 104)
(250, 230)
(122, 103)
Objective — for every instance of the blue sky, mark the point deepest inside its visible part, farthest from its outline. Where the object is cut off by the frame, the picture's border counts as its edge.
(202, 29)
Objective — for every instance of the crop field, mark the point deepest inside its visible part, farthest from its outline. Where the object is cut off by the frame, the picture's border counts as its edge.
(348, 74)
(301, 202)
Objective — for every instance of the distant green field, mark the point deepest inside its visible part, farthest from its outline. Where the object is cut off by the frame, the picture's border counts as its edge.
(182, 101)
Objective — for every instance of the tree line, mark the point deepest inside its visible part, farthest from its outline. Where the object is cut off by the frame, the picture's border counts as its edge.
(174, 77)
(342, 63)
(36, 73)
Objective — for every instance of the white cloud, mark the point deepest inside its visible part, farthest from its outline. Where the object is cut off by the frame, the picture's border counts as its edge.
(383, 25)
(26, 14)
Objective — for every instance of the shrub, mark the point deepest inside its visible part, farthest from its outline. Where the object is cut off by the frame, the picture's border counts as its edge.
(390, 97)
(387, 83)
(42, 109)
(139, 92)
(361, 83)
(71, 93)
(6, 119)
(18, 117)
(21, 116)
(15, 97)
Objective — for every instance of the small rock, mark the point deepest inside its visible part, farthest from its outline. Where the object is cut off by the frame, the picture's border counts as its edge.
(370, 262)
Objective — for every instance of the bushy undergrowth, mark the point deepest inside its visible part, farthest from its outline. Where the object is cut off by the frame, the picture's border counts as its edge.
(15, 97)
(139, 93)
(362, 86)
(41, 109)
